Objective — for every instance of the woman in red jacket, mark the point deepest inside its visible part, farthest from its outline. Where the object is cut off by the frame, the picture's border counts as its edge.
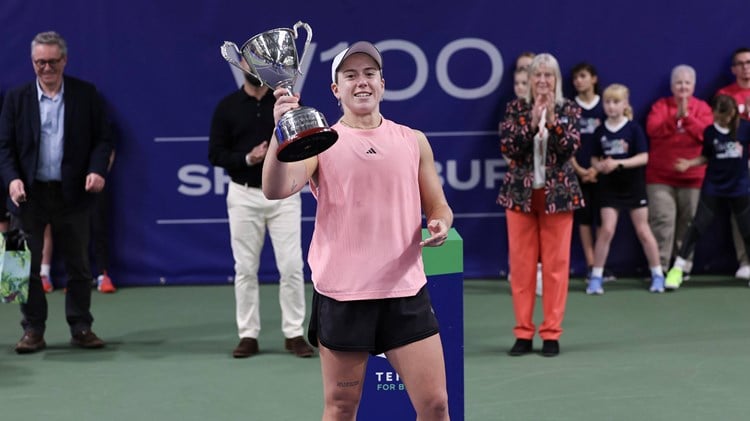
(675, 129)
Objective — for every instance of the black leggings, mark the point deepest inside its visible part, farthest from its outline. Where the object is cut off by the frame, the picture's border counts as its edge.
(704, 215)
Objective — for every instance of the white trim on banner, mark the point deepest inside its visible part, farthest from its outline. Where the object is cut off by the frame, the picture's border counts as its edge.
(202, 221)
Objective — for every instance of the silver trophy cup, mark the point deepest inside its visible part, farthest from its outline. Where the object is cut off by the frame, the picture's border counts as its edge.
(272, 58)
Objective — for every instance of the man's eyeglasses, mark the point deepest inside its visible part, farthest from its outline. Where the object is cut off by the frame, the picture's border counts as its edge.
(742, 63)
(41, 63)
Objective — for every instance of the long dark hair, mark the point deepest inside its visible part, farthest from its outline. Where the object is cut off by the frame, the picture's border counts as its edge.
(726, 105)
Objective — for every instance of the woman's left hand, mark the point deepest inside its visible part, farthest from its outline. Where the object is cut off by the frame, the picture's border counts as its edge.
(546, 102)
(682, 165)
(438, 233)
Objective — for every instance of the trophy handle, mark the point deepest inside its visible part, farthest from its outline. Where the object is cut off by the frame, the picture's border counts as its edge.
(230, 57)
(308, 30)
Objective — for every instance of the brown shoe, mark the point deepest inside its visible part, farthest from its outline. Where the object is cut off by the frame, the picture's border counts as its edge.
(298, 346)
(86, 339)
(246, 348)
(30, 342)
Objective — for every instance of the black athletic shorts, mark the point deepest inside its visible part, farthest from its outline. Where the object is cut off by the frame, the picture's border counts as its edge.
(623, 189)
(373, 326)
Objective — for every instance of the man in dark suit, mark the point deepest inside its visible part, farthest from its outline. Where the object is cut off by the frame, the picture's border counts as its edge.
(54, 148)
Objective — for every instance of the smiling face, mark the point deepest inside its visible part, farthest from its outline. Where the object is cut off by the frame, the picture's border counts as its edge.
(359, 85)
(49, 63)
(683, 85)
(543, 81)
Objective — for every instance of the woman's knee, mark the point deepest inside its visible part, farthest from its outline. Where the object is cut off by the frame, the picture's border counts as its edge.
(606, 233)
(433, 407)
(341, 406)
(643, 232)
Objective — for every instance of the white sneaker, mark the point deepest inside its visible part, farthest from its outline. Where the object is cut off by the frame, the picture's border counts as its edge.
(539, 280)
(743, 272)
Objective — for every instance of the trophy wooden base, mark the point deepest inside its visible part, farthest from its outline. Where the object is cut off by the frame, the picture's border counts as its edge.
(306, 144)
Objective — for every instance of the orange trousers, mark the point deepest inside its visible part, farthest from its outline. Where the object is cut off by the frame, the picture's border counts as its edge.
(533, 237)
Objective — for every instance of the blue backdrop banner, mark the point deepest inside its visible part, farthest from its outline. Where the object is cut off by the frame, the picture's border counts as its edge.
(448, 71)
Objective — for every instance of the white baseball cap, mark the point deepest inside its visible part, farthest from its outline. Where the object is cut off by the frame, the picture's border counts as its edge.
(357, 47)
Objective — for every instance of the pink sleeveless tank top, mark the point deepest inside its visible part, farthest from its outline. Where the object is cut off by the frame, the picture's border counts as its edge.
(369, 218)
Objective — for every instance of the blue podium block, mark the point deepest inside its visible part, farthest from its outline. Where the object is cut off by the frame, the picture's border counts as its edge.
(384, 395)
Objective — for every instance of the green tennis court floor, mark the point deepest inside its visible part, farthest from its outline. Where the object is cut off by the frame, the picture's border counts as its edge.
(626, 355)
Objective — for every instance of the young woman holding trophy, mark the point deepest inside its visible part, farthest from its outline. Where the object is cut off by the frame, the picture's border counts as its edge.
(370, 294)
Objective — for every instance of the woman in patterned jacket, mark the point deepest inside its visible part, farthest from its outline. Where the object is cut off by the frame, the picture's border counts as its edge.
(538, 136)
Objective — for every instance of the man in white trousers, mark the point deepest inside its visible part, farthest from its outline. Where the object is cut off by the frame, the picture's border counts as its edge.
(241, 127)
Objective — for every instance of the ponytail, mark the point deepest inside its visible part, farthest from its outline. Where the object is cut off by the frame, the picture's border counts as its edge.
(628, 112)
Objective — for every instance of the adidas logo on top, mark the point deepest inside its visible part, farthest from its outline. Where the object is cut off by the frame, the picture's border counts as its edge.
(371, 151)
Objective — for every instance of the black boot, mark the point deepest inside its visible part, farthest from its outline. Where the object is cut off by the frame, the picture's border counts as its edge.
(550, 348)
(522, 346)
